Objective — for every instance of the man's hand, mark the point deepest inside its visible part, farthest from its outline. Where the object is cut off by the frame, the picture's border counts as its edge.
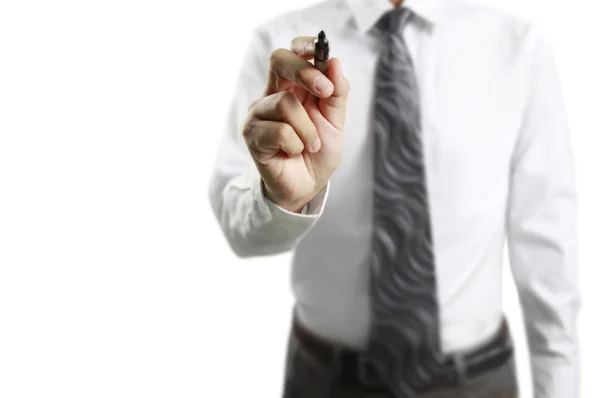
(295, 138)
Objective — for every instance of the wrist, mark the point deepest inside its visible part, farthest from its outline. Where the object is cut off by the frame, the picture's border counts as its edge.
(294, 205)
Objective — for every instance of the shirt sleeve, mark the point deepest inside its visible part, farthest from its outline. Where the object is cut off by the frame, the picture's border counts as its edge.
(542, 236)
(252, 224)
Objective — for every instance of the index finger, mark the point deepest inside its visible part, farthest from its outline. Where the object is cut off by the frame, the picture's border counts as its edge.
(287, 68)
(303, 46)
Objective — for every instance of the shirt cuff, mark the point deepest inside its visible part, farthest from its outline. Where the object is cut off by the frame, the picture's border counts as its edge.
(280, 226)
(312, 210)
(257, 226)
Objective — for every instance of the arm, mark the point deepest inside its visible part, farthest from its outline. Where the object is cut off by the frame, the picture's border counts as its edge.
(542, 239)
(252, 224)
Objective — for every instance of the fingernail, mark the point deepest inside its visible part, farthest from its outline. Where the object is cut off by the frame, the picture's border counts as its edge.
(316, 145)
(323, 85)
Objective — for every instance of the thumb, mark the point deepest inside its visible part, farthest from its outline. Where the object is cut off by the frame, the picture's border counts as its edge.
(333, 107)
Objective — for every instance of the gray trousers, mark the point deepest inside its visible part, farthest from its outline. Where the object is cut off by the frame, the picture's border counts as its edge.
(306, 377)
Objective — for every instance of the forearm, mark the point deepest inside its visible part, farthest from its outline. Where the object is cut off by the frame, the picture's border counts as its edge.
(252, 224)
(550, 315)
(543, 247)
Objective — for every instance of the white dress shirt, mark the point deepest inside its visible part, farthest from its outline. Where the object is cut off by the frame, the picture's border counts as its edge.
(498, 163)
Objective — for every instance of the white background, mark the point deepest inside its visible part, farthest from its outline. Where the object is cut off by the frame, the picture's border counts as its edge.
(114, 278)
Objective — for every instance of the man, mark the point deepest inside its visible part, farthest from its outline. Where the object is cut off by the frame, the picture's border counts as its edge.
(396, 197)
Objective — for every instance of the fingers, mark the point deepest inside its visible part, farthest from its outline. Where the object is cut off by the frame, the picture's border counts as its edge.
(271, 135)
(287, 68)
(340, 82)
(291, 71)
(333, 108)
(304, 47)
(286, 109)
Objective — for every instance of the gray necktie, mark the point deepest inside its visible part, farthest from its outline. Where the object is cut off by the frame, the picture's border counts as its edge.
(404, 344)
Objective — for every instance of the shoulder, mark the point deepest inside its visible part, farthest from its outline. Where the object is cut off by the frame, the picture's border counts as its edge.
(502, 28)
(486, 17)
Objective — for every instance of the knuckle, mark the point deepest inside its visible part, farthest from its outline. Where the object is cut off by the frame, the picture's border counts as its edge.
(248, 129)
(284, 133)
(276, 56)
(253, 105)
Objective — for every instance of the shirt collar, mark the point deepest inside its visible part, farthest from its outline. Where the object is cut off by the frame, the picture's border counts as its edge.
(368, 12)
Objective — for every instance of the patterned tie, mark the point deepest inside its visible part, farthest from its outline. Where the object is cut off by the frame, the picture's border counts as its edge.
(404, 345)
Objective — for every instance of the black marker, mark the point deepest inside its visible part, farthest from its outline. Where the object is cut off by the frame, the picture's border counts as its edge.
(321, 52)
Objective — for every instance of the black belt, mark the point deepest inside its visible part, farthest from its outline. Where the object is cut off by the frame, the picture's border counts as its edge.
(352, 367)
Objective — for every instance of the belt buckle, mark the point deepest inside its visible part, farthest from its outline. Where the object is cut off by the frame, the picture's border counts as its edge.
(455, 374)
